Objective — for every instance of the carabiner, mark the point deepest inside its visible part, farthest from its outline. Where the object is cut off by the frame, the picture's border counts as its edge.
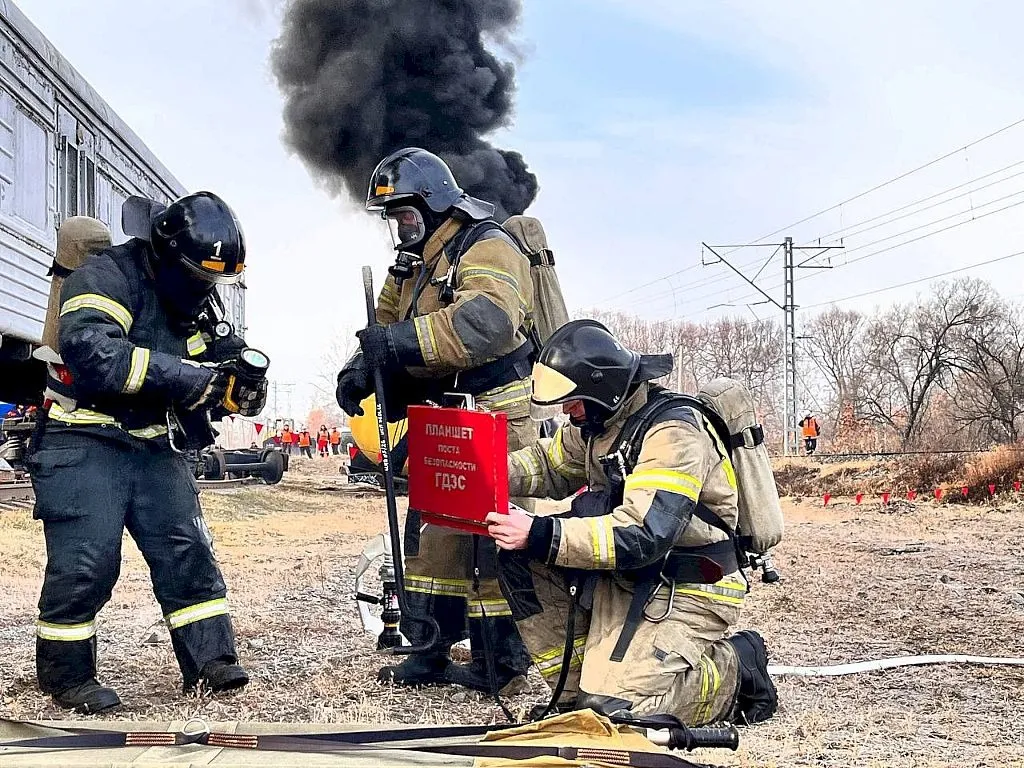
(671, 600)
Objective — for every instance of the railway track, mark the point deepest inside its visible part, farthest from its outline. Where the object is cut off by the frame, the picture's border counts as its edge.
(16, 495)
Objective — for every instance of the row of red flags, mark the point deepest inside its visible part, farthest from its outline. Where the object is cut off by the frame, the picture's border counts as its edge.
(939, 493)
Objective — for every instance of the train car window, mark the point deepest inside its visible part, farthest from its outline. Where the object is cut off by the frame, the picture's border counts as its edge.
(30, 172)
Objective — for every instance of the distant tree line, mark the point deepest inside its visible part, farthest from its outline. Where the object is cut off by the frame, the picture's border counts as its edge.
(943, 371)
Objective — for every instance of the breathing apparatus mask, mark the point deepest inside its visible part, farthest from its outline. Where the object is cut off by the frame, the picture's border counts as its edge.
(409, 228)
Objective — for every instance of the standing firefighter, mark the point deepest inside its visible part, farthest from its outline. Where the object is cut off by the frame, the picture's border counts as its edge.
(455, 314)
(640, 546)
(131, 350)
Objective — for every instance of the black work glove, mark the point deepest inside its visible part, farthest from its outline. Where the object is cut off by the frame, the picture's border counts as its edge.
(354, 386)
(210, 391)
(250, 396)
(378, 345)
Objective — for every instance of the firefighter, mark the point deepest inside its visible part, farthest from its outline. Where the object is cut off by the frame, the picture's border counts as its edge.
(649, 638)
(810, 430)
(441, 329)
(103, 462)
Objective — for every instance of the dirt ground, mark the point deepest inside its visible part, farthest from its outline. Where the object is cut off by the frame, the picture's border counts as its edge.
(859, 583)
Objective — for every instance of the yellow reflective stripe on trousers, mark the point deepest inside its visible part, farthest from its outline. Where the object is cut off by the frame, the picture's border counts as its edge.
(479, 609)
(665, 480)
(67, 633)
(148, 433)
(549, 663)
(137, 371)
(426, 339)
(725, 591)
(431, 586)
(710, 683)
(195, 345)
(100, 303)
(197, 612)
(603, 540)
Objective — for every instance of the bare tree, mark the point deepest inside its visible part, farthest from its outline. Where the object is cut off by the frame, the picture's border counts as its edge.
(988, 381)
(912, 350)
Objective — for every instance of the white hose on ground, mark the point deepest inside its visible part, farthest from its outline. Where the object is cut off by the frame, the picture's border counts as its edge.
(897, 661)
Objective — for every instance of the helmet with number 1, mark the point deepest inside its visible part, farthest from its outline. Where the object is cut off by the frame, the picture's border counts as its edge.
(202, 234)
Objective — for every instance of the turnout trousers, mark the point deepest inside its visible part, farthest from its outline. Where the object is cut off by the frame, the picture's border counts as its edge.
(89, 489)
(677, 664)
(440, 582)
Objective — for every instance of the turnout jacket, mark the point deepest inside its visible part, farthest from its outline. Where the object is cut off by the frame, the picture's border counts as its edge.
(128, 360)
(681, 463)
(489, 316)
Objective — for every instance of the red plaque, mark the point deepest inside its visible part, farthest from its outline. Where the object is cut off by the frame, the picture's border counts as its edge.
(458, 471)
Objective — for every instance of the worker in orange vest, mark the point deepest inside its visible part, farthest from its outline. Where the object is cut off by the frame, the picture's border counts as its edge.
(304, 444)
(287, 438)
(811, 430)
(335, 440)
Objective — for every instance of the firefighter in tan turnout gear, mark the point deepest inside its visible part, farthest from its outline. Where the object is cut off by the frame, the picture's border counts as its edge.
(649, 550)
(454, 315)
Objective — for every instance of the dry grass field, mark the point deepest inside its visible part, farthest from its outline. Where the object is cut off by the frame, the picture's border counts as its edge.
(860, 582)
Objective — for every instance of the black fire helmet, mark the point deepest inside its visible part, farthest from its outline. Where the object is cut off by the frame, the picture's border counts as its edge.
(415, 175)
(199, 232)
(583, 361)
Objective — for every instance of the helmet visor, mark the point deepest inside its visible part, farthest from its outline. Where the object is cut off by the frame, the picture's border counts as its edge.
(407, 226)
(550, 387)
(214, 271)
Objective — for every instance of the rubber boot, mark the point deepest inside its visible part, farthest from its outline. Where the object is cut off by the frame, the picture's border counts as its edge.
(418, 669)
(756, 697)
(88, 698)
(219, 675)
(498, 638)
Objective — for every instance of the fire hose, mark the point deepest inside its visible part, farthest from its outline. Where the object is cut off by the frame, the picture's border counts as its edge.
(836, 670)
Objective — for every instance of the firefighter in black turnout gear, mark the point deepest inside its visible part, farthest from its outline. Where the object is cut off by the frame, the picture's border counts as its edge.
(133, 348)
(455, 315)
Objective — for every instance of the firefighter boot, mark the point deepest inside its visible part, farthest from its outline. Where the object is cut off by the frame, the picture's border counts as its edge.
(219, 675)
(427, 668)
(417, 669)
(88, 698)
(756, 697)
(495, 637)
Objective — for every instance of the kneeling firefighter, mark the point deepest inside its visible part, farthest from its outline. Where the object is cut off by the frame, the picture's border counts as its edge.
(134, 345)
(649, 553)
(454, 315)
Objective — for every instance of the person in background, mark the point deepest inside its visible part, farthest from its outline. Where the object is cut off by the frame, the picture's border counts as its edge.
(304, 444)
(810, 430)
(287, 439)
(323, 439)
(335, 441)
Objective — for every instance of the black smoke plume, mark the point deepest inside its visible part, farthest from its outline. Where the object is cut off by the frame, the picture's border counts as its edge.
(362, 78)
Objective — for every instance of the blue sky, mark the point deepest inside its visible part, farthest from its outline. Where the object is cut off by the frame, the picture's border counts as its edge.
(652, 126)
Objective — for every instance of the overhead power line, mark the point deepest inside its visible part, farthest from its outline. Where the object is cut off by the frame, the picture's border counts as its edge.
(859, 195)
(936, 276)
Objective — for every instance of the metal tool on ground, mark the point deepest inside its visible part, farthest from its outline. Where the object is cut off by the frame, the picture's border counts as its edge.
(267, 464)
(389, 490)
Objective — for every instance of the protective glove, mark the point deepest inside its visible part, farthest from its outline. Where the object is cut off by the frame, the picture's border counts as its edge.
(354, 386)
(211, 392)
(250, 396)
(378, 345)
